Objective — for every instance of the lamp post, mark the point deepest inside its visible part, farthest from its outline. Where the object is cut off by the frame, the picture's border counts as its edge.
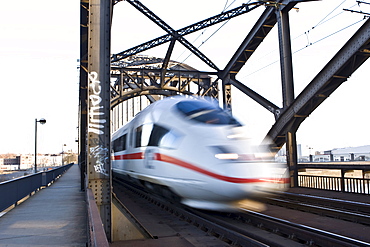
(63, 153)
(41, 121)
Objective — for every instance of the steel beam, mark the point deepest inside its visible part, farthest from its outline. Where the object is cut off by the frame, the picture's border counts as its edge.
(256, 97)
(255, 37)
(184, 31)
(286, 68)
(82, 128)
(143, 9)
(98, 133)
(166, 61)
(351, 56)
(226, 94)
(133, 82)
(286, 64)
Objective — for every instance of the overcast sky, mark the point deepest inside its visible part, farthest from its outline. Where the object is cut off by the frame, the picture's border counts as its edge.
(39, 48)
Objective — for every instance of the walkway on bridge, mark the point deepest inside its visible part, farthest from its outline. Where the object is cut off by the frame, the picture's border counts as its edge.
(54, 216)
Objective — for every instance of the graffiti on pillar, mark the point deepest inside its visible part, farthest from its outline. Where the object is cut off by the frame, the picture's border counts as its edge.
(98, 152)
(96, 111)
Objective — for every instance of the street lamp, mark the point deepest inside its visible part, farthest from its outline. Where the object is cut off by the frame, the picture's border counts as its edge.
(63, 154)
(41, 121)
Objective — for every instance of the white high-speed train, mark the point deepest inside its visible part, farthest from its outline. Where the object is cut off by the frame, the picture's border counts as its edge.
(190, 149)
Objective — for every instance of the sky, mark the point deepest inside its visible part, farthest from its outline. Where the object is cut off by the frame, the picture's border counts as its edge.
(39, 48)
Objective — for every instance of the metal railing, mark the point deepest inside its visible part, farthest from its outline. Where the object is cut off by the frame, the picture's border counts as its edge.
(96, 233)
(12, 191)
(352, 185)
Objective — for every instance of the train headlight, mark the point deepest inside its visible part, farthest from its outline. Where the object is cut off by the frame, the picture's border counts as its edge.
(224, 153)
(227, 156)
(228, 153)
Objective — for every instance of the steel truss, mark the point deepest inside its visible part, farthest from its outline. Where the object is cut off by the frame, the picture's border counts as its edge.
(178, 35)
(130, 84)
(263, 26)
(349, 58)
(148, 80)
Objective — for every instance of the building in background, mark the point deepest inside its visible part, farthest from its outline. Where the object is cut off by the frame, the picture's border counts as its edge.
(361, 153)
(26, 161)
(2, 167)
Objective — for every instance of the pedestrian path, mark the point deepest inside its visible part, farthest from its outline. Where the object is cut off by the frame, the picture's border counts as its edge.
(54, 216)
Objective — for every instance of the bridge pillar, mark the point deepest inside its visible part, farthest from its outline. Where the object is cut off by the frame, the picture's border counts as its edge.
(286, 65)
(98, 111)
(83, 90)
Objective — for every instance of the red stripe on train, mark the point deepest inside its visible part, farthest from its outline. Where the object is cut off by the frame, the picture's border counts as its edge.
(174, 161)
(134, 156)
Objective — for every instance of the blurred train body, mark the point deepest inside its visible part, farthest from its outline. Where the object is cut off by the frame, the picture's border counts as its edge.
(190, 149)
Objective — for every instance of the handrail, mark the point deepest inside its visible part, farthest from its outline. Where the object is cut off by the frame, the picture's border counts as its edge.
(336, 183)
(12, 191)
(96, 233)
(350, 165)
(342, 184)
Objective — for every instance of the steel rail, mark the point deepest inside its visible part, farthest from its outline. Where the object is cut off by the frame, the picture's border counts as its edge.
(230, 233)
(303, 233)
(331, 212)
(331, 202)
(258, 234)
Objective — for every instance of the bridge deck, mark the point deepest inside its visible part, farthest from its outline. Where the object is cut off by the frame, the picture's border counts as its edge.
(54, 216)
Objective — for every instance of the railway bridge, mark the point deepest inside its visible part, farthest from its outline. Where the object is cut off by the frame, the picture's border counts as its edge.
(110, 81)
(116, 85)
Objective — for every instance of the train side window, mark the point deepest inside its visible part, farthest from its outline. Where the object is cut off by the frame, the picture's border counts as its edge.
(123, 141)
(138, 132)
(157, 134)
(164, 138)
(119, 144)
(142, 135)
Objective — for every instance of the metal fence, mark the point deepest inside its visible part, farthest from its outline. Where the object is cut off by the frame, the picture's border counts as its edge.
(14, 190)
(353, 185)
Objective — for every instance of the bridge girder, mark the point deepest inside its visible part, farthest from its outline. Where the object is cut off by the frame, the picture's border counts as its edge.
(349, 58)
(133, 82)
(177, 34)
(255, 37)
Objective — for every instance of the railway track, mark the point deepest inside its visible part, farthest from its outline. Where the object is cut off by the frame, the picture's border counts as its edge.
(340, 209)
(300, 233)
(248, 228)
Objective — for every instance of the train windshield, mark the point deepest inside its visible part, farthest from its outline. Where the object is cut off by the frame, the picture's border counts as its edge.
(205, 112)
